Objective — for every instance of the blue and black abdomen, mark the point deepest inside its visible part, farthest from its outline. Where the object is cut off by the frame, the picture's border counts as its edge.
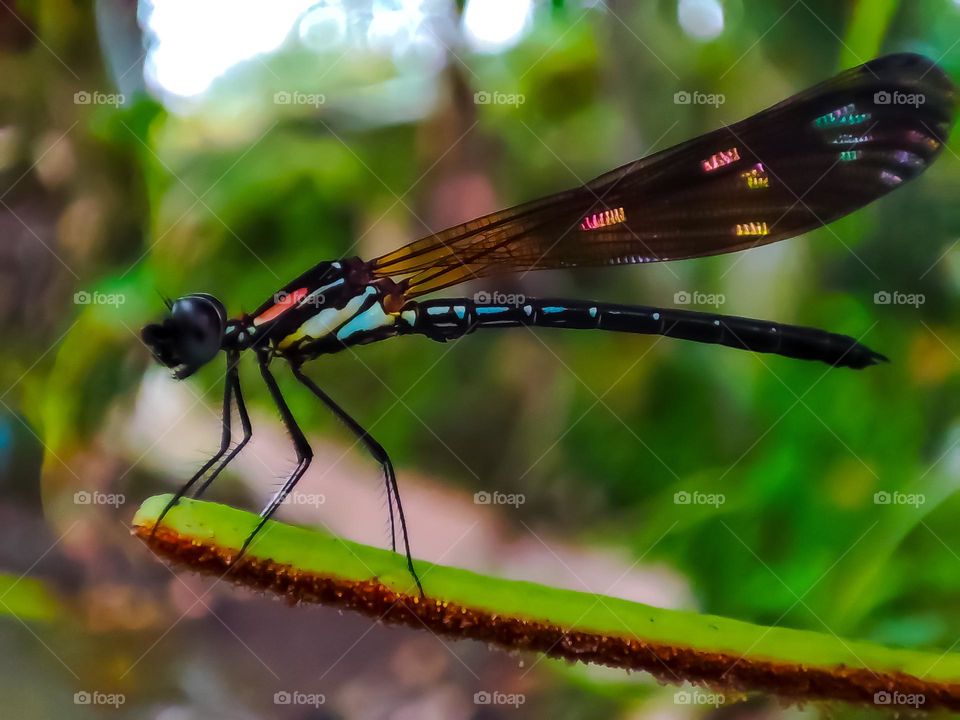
(448, 319)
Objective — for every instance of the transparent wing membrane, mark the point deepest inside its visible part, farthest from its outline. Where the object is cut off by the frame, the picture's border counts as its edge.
(791, 168)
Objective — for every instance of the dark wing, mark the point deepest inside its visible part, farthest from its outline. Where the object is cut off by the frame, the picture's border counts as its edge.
(800, 164)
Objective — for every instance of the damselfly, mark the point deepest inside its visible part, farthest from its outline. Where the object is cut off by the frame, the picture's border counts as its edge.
(796, 166)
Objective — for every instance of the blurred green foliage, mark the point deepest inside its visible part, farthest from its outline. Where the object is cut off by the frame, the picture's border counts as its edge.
(815, 445)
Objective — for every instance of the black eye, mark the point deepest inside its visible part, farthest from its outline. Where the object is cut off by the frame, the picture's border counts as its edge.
(201, 320)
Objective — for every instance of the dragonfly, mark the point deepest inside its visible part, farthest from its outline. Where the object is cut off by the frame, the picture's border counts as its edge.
(796, 166)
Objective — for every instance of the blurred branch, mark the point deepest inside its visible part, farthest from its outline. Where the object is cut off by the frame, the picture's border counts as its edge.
(305, 565)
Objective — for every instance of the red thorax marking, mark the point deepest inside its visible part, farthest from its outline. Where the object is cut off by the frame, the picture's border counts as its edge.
(284, 301)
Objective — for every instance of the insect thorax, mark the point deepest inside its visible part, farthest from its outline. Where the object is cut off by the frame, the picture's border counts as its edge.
(332, 306)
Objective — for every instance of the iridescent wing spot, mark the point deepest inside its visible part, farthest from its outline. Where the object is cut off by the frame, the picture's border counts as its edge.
(720, 159)
(752, 229)
(847, 115)
(756, 177)
(603, 219)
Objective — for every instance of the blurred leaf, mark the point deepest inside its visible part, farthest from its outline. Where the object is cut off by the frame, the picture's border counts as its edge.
(28, 599)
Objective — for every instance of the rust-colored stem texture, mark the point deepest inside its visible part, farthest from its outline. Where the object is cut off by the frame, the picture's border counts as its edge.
(308, 566)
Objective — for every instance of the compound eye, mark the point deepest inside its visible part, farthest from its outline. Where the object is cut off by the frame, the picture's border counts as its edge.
(202, 321)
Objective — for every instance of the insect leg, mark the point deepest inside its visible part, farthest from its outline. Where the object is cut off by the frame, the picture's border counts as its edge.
(378, 453)
(300, 444)
(234, 378)
(229, 386)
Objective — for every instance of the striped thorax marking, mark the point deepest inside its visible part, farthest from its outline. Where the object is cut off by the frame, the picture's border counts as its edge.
(366, 321)
(339, 321)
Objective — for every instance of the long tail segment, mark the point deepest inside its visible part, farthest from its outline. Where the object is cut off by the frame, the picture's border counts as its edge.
(447, 319)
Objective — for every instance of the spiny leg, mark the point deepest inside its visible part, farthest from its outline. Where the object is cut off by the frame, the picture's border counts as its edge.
(300, 445)
(379, 454)
(224, 442)
(370, 445)
(234, 378)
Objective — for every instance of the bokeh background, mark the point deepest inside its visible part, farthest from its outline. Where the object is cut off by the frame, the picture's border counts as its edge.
(173, 147)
